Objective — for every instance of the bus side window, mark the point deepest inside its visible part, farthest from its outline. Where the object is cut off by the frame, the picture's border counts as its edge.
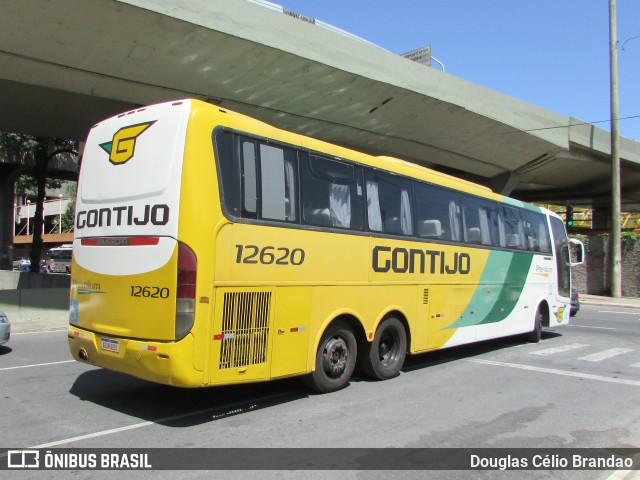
(440, 207)
(476, 221)
(389, 204)
(514, 229)
(537, 232)
(229, 172)
(278, 183)
(543, 237)
(496, 225)
(374, 213)
(331, 193)
(249, 193)
(485, 226)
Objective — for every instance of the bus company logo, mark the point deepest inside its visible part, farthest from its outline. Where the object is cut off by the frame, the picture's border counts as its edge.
(123, 144)
(23, 459)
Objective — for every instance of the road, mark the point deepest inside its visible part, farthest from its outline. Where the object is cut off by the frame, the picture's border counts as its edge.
(579, 387)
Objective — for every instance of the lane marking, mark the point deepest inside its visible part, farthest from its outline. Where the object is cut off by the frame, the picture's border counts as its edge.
(228, 410)
(605, 354)
(36, 365)
(636, 365)
(625, 475)
(586, 376)
(618, 312)
(30, 332)
(99, 434)
(587, 326)
(564, 348)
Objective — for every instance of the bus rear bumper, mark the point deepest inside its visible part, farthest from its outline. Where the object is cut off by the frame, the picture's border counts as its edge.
(165, 363)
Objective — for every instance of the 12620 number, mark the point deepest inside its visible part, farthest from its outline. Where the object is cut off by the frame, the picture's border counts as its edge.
(149, 292)
(269, 255)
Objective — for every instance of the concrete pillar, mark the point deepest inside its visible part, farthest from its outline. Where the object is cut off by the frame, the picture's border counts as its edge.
(7, 181)
(505, 182)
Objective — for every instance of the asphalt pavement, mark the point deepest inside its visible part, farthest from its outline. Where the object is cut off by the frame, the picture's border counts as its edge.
(577, 388)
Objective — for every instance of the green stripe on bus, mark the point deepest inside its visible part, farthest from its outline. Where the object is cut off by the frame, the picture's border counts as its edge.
(495, 308)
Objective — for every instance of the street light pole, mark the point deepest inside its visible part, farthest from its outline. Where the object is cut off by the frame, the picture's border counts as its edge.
(616, 240)
(60, 213)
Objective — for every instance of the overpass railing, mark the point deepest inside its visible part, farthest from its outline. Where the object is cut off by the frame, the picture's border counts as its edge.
(54, 209)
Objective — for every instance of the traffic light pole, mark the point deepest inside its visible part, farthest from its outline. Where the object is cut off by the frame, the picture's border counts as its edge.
(616, 240)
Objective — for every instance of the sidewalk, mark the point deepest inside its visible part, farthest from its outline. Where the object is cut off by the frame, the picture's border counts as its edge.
(628, 302)
(42, 320)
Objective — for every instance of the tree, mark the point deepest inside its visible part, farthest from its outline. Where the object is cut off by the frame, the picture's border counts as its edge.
(28, 186)
(42, 150)
(69, 216)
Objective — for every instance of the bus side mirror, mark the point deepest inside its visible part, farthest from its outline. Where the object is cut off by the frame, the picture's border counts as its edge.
(577, 249)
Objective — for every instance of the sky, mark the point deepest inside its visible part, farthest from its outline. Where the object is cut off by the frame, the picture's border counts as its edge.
(551, 53)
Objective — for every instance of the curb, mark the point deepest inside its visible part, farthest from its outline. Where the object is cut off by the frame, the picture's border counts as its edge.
(606, 304)
(610, 302)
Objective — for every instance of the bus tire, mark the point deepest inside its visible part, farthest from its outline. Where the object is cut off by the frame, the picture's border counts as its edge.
(335, 359)
(534, 335)
(384, 356)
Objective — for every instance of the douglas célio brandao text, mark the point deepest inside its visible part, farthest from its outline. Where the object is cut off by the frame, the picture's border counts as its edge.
(571, 460)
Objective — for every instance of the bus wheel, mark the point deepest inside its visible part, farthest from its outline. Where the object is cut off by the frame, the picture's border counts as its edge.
(534, 335)
(383, 358)
(335, 359)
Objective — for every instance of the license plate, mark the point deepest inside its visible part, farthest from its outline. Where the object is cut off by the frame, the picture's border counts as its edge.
(59, 269)
(110, 345)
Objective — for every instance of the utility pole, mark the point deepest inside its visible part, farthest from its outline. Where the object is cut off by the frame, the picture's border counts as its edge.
(616, 240)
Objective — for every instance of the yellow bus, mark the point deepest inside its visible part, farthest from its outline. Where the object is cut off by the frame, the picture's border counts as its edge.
(212, 249)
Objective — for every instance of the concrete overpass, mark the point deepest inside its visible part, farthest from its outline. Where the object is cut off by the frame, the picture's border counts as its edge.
(65, 64)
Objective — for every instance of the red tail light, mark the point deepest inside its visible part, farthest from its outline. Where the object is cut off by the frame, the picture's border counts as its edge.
(186, 290)
(187, 268)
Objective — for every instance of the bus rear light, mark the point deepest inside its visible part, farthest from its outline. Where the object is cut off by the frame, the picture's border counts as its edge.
(186, 291)
(187, 268)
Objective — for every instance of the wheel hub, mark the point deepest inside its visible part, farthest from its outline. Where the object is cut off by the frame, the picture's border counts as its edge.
(335, 356)
(388, 349)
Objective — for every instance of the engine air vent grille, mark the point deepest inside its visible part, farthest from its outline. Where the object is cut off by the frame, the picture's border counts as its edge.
(245, 327)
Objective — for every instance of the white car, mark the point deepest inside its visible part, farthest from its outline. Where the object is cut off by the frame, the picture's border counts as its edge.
(5, 328)
(22, 264)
